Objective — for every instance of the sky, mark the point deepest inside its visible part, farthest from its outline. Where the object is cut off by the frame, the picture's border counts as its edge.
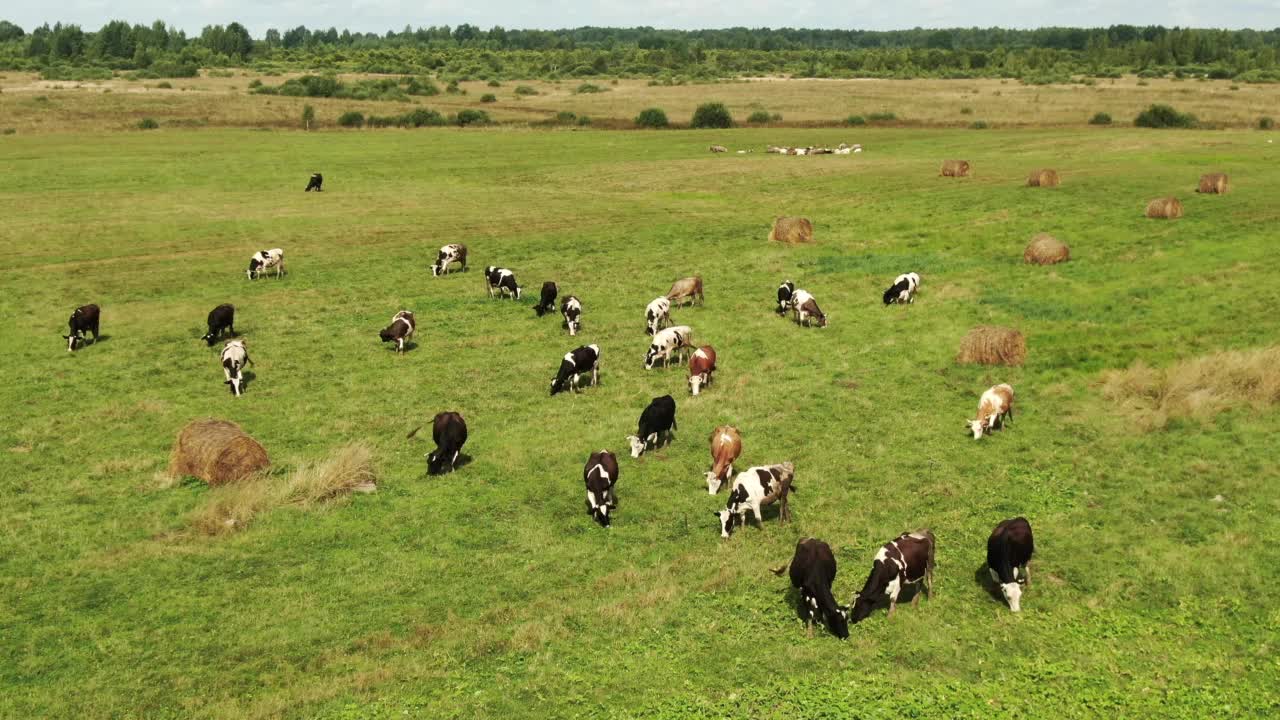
(382, 15)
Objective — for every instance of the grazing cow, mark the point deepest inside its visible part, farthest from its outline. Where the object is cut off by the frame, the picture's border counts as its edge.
(690, 287)
(995, 405)
(753, 489)
(805, 307)
(719, 149)
(449, 431)
(903, 289)
(775, 150)
(265, 260)
(656, 423)
(578, 362)
(84, 319)
(674, 340)
(702, 367)
(315, 182)
(547, 302)
(400, 330)
(234, 359)
(571, 309)
(785, 292)
(726, 446)
(221, 318)
(600, 475)
(657, 314)
(905, 559)
(449, 254)
(813, 570)
(1009, 549)
(502, 281)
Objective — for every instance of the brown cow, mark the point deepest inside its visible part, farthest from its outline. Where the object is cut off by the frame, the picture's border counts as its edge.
(726, 446)
(702, 366)
(690, 287)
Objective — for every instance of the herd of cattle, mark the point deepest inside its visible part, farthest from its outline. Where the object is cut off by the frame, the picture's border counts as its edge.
(905, 560)
(841, 149)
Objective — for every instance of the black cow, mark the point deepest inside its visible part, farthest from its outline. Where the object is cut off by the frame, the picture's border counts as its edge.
(449, 431)
(221, 318)
(785, 291)
(316, 181)
(1009, 549)
(577, 362)
(813, 570)
(905, 559)
(600, 475)
(548, 301)
(656, 423)
(83, 319)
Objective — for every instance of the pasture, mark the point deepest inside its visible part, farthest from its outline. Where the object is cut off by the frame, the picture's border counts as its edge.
(490, 592)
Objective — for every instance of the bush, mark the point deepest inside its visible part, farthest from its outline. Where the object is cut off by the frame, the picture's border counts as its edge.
(584, 121)
(525, 90)
(10, 131)
(308, 116)
(978, 125)
(254, 84)
(1100, 119)
(711, 115)
(776, 117)
(855, 120)
(488, 98)
(565, 117)
(652, 118)
(1164, 116)
(588, 88)
(759, 116)
(1266, 122)
(422, 117)
(472, 117)
(494, 83)
(886, 116)
(164, 86)
(148, 124)
(966, 111)
(352, 119)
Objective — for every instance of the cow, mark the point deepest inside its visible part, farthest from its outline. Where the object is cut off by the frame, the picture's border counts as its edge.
(600, 475)
(449, 254)
(903, 289)
(690, 287)
(805, 307)
(221, 318)
(753, 489)
(812, 571)
(719, 149)
(449, 431)
(502, 282)
(265, 260)
(1009, 550)
(315, 183)
(547, 302)
(907, 559)
(577, 362)
(234, 359)
(674, 340)
(571, 309)
(84, 319)
(656, 314)
(656, 425)
(785, 292)
(726, 446)
(995, 405)
(400, 330)
(702, 368)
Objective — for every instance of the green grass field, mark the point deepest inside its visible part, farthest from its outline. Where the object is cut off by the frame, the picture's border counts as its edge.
(489, 592)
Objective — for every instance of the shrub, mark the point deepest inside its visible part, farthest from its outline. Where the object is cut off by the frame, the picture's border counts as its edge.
(978, 125)
(453, 89)
(308, 116)
(165, 86)
(494, 83)
(1235, 87)
(352, 119)
(381, 121)
(1143, 83)
(886, 116)
(488, 98)
(422, 117)
(1100, 119)
(855, 120)
(584, 121)
(966, 111)
(759, 116)
(254, 84)
(416, 86)
(1164, 116)
(472, 117)
(1266, 122)
(652, 118)
(711, 115)
(565, 117)
(10, 131)
(525, 90)
(148, 124)
(588, 88)
(776, 117)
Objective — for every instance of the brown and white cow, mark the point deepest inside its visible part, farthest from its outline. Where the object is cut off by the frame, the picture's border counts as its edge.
(702, 368)
(905, 560)
(995, 405)
(686, 288)
(726, 446)
(806, 308)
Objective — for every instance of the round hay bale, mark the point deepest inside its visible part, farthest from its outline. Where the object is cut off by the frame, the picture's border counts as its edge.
(1044, 177)
(955, 168)
(1213, 183)
(791, 230)
(217, 452)
(1045, 249)
(1167, 208)
(990, 345)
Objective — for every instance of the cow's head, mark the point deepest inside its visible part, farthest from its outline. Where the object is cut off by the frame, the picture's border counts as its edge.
(557, 385)
(436, 268)
(823, 319)
(1013, 595)
(73, 341)
(637, 445)
(862, 607)
(600, 513)
(254, 265)
(977, 427)
(713, 483)
(651, 357)
(385, 335)
(891, 295)
(728, 521)
(695, 383)
(209, 339)
(837, 621)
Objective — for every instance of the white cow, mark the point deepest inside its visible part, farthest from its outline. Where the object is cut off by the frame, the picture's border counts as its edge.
(657, 314)
(264, 260)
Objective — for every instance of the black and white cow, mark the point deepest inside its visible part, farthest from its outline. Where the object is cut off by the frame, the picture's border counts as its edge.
(1009, 550)
(903, 289)
(656, 423)
(501, 282)
(785, 291)
(221, 319)
(571, 309)
(547, 302)
(265, 260)
(907, 559)
(234, 359)
(580, 361)
(657, 314)
(84, 319)
(813, 570)
(449, 431)
(449, 254)
(400, 330)
(317, 180)
(676, 340)
(600, 475)
(754, 488)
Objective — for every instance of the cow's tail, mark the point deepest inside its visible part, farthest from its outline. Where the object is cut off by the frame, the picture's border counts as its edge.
(412, 433)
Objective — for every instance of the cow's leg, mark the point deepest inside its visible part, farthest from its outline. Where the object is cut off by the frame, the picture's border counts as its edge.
(595, 374)
(755, 510)
(893, 605)
(1026, 576)
(456, 453)
(915, 599)
(809, 625)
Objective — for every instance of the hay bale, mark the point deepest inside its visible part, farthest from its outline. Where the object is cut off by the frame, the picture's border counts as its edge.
(1213, 183)
(955, 168)
(1044, 177)
(1045, 249)
(990, 345)
(1168, 208)
(791, 230)
(217, 452)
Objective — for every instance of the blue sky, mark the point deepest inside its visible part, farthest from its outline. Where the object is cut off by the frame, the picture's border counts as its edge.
(382, 15)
